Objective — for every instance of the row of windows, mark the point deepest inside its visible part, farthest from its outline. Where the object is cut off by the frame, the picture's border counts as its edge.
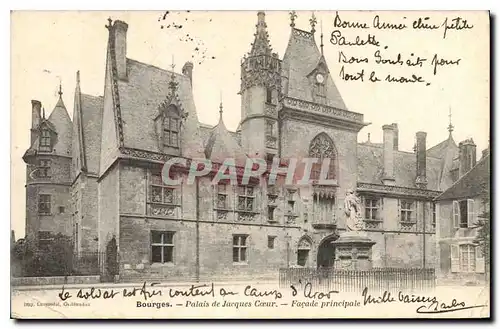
(162, 247)
(407, 210)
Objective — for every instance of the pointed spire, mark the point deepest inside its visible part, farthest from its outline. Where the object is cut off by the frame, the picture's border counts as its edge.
(313, 22)
(450, 126)
(60, 88)
(261, 44)
(60, 102)
(321, 37)
(293, 16)
(220, 108)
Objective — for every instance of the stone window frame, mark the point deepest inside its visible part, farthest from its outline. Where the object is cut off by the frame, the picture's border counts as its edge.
(44, 168)
(240, 248)
(168, 244)
(44, 240)
(407, 215)
(171, 127)
(44, 204)
(321, 147)
(160, 185)
(246, 196)
(45, 140)
(271, 241)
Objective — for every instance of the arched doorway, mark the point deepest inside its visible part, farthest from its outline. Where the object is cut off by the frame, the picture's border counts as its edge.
(326, 252)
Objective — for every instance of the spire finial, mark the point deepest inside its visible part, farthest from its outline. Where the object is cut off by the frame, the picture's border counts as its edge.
(450, 126)
(220, 107)
(321, 37)
(369, 141)
(313, 22)
(293, 16)
(43, 113)
(78, 77)
(173, 83)
(60, 88)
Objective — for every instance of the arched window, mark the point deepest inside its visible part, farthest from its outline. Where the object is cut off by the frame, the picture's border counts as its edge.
(171, 124)
(322, 147)
(303, 250)
(45, 141)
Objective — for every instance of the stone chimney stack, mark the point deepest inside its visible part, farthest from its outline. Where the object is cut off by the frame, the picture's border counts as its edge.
(36, 114)
(467, 156)
(396, 136)
(388, 177)
(119, 34)
(187, 70)
(421, 150)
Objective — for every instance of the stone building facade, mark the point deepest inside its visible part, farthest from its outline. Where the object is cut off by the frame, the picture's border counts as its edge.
(111, 155)
(461, 255)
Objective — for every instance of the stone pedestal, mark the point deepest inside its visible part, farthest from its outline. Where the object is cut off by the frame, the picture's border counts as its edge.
(353, 251)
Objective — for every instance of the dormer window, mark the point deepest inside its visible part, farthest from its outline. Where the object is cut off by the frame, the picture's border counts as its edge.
(171, 124)
(45, 141)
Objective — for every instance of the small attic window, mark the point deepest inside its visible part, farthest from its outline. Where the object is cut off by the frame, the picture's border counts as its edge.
(45, 141)
(171, 124)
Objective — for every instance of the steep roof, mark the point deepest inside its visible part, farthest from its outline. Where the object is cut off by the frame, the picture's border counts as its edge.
(439, 150)
(221, 144)
(474, 183)
(141, 95)
(301, 58)
(371, 164)
(92, 122)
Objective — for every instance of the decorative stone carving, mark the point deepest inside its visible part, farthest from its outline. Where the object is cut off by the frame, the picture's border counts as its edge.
(321, 108)
(398, 190)
(246, 217)
(322, 147)
(161, 210)
(352, 207)
(221, 214)
(271, 142)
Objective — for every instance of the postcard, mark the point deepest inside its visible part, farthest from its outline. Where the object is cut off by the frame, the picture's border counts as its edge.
(250, 164)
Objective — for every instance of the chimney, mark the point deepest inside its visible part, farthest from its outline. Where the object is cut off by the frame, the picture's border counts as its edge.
(36, 108)
(187, 70)
(396, 136)
(421, 150)
(467, 156)
(388, 177)
(120, 44)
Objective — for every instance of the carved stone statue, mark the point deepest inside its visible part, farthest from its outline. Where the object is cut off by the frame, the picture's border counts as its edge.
(352, 205)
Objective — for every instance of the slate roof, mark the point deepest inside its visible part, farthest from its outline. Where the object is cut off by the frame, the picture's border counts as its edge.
(222, 145)
(301, 58)
(92, 123)
(370, 167)
(474, 183)
(63, 126)
(146, 88)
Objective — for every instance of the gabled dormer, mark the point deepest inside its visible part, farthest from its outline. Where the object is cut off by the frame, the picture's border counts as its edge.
(169, 121)
(318, 81)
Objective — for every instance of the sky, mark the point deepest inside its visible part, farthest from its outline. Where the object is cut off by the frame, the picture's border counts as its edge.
(47, 48)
